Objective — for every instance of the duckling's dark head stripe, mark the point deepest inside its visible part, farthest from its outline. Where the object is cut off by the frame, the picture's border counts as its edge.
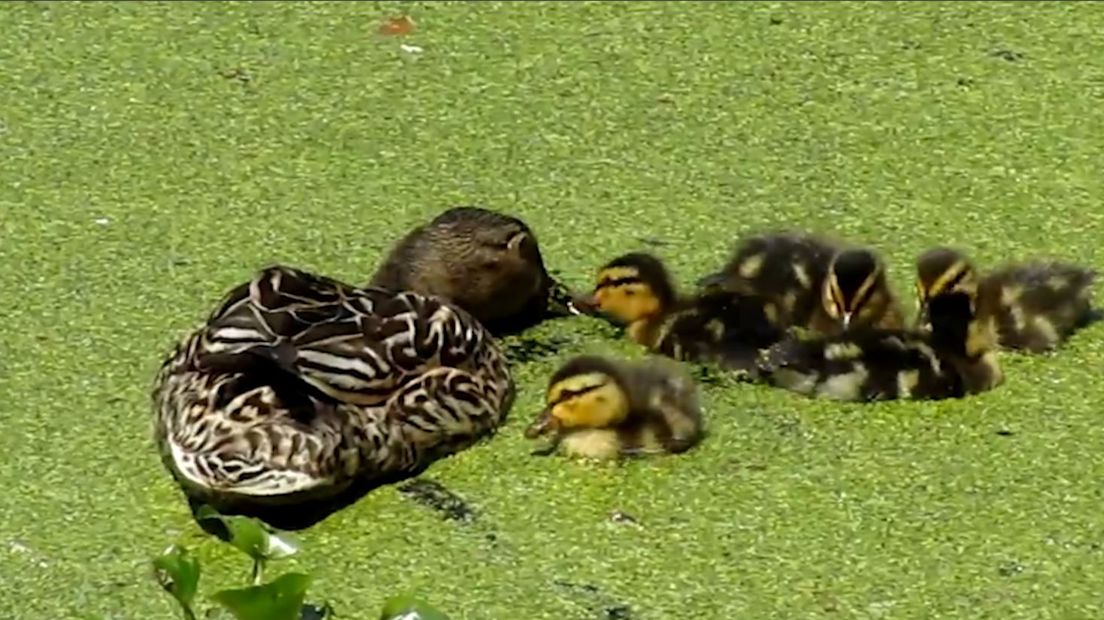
(649, 269)
(937, 263)
(566, 395)
(852, 270)
(615, 282)
(954, 281)
(582, 365)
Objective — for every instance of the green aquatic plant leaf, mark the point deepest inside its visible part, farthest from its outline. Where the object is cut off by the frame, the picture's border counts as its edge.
(177, 571)
(252, 537)
(280, 599)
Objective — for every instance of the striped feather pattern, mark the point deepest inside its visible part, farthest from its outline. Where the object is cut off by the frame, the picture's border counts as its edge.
(298, 384)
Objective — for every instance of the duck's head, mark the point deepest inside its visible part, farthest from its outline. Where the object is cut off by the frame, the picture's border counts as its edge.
(855, 291)
(631, 288)
(498, 253)
(494, 242)
(586, 392)
(939, 271)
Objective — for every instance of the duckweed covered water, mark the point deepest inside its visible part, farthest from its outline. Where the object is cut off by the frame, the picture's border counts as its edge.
(155, 156)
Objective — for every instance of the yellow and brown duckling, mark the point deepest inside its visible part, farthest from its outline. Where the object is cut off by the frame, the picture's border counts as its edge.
(810, 282)
(1032, 306)
(486, 262)
(957, 358)
(635, 290)
(604, 409)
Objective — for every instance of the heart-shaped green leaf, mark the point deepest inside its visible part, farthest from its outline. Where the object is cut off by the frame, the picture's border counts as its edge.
(406, 607)
(177, 571)
(280, 599)
(252, 537)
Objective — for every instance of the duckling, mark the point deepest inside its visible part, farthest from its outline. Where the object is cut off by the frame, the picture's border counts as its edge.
(1033, 306)
(297, 386)
(486, 262)
(856, 293)
(636, 290)
(955, 359)
(605, 409)
(810, 282)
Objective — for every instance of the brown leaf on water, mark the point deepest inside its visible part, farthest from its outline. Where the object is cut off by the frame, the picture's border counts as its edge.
(400, 25)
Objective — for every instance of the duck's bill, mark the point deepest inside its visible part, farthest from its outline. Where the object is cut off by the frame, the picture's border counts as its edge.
(586, 304)
(562, 302)
(543, 424)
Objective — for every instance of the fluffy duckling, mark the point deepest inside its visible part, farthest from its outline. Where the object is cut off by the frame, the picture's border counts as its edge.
(856, 293)
(603, 409)
(810, 282)
(486, 262)
(635, 290)
(955, 359)
(1033, 306)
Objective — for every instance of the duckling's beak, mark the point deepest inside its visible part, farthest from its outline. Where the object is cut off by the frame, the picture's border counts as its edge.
(846, 320)
(585, 304)
(544, 423)
(922, 320)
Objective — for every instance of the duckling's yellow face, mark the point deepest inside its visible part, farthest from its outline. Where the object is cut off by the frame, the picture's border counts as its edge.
(624, 296)
(591, 400)
(854, 292)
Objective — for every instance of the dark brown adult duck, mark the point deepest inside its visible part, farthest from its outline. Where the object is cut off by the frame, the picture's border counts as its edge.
(486, 262)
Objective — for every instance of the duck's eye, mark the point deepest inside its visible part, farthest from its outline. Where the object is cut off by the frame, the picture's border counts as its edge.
(629, 292)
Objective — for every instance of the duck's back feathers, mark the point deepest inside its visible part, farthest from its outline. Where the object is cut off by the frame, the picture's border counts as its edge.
(786, 268)
(721, 328)
(668, 406)
(300, 383)
(865, 365)
(1037, 305)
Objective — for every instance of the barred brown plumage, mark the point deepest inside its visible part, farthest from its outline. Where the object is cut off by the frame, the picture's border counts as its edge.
(299, 385)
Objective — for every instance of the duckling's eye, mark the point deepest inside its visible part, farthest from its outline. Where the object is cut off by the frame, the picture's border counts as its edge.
(629, 292)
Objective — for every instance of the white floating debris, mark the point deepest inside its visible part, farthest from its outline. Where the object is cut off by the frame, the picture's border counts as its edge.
(102, 221)
(411, 49)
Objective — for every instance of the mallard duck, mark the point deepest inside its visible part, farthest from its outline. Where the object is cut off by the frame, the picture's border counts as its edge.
(299, 385)
(601, 408)
(810, 282)
(635, 290)
(955, 359)
(486, 262)
(1033, 306)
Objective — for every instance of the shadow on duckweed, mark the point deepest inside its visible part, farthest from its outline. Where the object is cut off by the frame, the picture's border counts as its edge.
(434, 495)
(592, 597)
(296, 516)
(527, 349)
